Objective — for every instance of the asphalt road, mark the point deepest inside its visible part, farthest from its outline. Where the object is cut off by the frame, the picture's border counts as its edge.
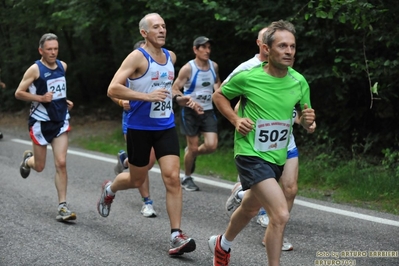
(322, 233)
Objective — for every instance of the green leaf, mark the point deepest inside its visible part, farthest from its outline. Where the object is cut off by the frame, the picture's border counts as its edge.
(374, 89)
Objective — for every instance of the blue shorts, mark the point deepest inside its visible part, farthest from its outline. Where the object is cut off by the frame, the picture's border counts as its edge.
(43, 132)
(292, 153)
(252, 170)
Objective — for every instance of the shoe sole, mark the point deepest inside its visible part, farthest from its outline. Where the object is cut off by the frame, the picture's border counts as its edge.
(190, 246)
(190, 189)
(66, 218)
(152, 215)
(118, 168)
(98, 202)
(282, 248)
(25, 173)
(212, 243)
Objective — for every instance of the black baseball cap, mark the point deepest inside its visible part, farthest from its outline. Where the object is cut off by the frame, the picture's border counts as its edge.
(202, 40)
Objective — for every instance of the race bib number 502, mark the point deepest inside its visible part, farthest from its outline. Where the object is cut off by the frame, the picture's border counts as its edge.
(272, 135)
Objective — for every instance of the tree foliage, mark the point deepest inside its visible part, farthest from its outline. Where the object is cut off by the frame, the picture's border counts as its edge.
(347, 50)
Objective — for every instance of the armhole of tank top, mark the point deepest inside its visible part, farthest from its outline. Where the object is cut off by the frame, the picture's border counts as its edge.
(60, 65)
(147, 57)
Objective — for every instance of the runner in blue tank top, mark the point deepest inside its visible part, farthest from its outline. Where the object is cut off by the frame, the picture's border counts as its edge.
(49, 117)
(147, 209)
(150, 123)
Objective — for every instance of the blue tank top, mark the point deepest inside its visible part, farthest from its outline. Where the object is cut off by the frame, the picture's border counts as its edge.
(152, 115)
(49, 80)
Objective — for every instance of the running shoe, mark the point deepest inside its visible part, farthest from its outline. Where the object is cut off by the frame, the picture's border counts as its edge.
(220, 257)
(287, 246)
(148, 210)
(64, 214)
(119, 167)
(262, 219)
(24, 169)
(189, 185)
(1, 135)
(105, 201)
(181, 244)
(233, 201)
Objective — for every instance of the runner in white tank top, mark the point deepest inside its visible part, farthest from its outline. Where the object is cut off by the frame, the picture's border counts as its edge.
(198, 78)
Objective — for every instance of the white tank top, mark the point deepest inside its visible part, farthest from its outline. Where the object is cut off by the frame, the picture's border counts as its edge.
(200, 85)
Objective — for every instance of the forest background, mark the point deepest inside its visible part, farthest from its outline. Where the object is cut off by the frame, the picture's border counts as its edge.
(346, 49)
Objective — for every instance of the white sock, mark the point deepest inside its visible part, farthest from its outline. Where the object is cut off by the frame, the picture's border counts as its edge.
(26, 162)
(185, 177)
(125, 163)
(174, 234)
(109, 191)
(225, 244)
(240, 194)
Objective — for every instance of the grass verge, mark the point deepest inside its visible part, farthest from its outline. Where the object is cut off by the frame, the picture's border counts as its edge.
(351, 182)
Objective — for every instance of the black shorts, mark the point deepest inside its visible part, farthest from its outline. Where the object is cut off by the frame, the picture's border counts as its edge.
(140, 142)
(252, 170)
(192, 124)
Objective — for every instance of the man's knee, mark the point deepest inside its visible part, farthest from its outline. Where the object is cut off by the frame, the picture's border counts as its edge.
(280, 218)
(290, 191)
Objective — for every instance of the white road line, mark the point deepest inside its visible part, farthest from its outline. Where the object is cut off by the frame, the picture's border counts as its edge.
(230, 186)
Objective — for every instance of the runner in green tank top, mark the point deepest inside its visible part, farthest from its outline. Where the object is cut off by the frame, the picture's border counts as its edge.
(268, 94)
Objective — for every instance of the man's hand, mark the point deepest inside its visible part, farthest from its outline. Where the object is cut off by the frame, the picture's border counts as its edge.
(244, 125)
(48, 97)
(125, 105)
(308, 117)
(187, 101)
(158, 95)
(312, 128)
(69, 104)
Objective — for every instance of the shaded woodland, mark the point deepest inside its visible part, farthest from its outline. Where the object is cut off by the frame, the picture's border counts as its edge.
(347, 50)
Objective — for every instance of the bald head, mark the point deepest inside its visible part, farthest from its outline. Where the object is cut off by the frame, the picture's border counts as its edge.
(260, 34)
(144, 22)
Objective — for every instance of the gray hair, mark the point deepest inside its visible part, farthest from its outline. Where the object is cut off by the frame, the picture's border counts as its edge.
(138, 44)
(268, 35)
(143, 25)
(47, 37)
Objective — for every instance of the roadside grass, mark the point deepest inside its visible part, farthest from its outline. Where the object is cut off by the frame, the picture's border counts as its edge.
(352, 182)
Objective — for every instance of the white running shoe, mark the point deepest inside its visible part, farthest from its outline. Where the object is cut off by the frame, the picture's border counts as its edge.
(148, 210)
(287, 246)
(233, 202)
(263, 220)
(105, 201)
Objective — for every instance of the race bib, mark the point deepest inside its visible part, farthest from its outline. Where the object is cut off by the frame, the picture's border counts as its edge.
(271, 135)
(161, 109)
(204, 96)
(58, 87)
